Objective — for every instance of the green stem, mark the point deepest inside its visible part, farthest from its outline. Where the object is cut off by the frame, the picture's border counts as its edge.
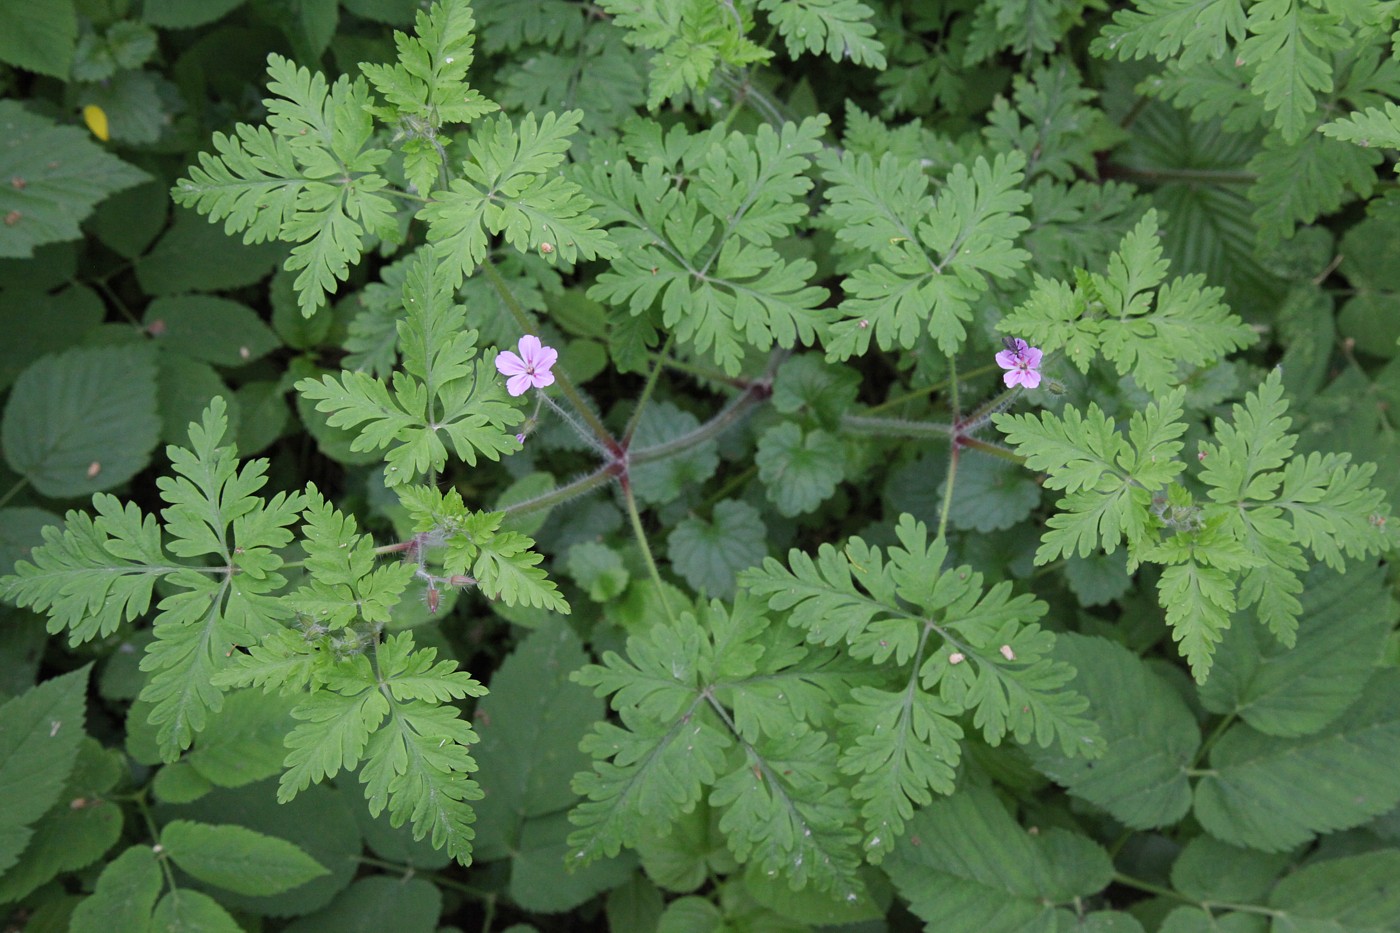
(13, 491)
(561, 379)
(636, 518)
(699, 372)
(562, 494)
(928, 390)
(1215, 734)
(1164, 176)
(646, 393)
(727, 417)
(948, 492)
(992, 450)
(897, 427)
(1150, 888)
(953, 401)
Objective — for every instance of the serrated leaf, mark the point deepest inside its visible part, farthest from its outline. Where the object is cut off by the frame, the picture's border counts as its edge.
(1299, 689)
(968, 867)
(710, 554)
(840, 28)
(799, 469)
(216, 330)
(931, 258)
(236, 858)
(40, 732)
(1149, 736)
(1352, 894)
(38, 37)
(530, 731)
(509, 187)
(125, 895)
(77, 830)
(56, 176)
(195, 911)
(1272, 793)
(82, 420)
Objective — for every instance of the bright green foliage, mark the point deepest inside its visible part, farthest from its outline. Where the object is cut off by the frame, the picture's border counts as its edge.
(924, 260)
(445, 392)
(1110, 479)
(692, 39)
(310, 177)
(427, 87)
(696, 219)
(98, 572)
(511, 186)
(944, 646)
(1192, 30)
(313, 175)
(707, 707)
(1244, 548)
(840, 28)
(1374, 126)
(343, 584)
(387, 717)
(1358, 892)
(1284, 47)
(501, 562)
(967, 867)
(1117, 315)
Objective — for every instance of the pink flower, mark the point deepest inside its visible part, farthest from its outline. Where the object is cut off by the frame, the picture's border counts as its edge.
(1021, 362)
(531, 369)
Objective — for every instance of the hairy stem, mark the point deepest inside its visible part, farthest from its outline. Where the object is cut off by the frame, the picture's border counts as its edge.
(636, 519)
(561, 379)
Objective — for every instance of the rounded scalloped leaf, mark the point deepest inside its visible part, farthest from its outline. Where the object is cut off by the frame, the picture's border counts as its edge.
(82, 421)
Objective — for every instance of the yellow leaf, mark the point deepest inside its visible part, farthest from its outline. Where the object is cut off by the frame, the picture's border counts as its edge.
(96, 119)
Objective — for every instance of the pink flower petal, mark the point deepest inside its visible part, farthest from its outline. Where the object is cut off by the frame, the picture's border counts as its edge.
(1032, 357)
(529, 348)
(1030, 379)
(542, 378)
(1006, 359)
(518, 384)
(508, 364)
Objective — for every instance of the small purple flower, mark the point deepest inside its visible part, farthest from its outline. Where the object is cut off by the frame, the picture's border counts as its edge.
(1021, 362)
(531, 369)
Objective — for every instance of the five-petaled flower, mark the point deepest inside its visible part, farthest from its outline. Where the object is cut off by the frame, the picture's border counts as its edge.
(531, 369)
(1021, 362)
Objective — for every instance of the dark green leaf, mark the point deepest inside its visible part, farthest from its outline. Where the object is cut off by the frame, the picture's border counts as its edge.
(237, 858)
(83, 420)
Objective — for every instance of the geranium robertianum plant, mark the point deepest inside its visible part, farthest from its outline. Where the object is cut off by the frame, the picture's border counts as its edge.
(764, 470)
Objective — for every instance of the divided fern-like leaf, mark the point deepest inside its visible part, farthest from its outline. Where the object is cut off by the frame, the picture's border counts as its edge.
(783, 804)
(1117, 315)
(927, 259)
(946, 645)
(444, 394)
(224, 541)
(696, 224)
(311, 179)
(510, 186)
